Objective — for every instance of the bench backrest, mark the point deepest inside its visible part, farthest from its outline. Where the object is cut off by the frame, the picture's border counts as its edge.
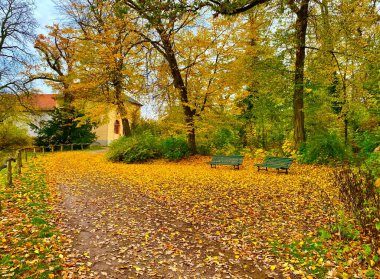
(278, 161)
(236, 159)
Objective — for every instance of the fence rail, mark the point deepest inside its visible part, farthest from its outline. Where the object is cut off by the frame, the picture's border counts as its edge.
(34, 149)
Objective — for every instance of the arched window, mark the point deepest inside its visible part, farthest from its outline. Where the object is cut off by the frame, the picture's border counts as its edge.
(116, 127)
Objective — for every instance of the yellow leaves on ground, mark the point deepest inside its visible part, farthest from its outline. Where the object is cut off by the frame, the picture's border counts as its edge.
(254, 216)
(30, 243)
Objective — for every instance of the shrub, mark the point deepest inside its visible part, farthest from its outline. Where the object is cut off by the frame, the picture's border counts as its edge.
(324, 149)
(360, 196)
(138, 148)
(224, 136)
(372, 164)
(174, 148)
(12, 136)
(117, 149)
(204, 149)
(225, 142)
(367, 142)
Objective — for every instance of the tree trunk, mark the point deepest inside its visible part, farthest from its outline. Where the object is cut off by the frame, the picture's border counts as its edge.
(180, 85)
(120, 98)
(126, 127)
(345, 109)
(124, 119)
(298, 97)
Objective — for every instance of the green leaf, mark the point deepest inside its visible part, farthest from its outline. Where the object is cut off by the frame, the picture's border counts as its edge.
(377, 225)
(367, 249)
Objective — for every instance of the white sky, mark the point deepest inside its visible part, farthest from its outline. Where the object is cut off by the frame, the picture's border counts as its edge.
(45, 14)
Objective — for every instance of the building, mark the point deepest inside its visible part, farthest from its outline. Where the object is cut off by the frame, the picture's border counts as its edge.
(109, 129)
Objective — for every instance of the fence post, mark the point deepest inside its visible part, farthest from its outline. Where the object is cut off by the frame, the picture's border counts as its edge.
(52, 148)
(61, 147)
(72, 146)
(18, 161)
(43, 149)
(81, 146)
(9, 165)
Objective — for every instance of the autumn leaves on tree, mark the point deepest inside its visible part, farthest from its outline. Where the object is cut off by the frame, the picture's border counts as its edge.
(194, 57)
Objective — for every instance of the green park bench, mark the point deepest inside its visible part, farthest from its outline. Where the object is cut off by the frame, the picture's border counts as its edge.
(235, 161)
(276, 163)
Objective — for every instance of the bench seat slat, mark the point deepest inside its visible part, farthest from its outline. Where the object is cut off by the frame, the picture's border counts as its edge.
(276, 163)
(235, 161)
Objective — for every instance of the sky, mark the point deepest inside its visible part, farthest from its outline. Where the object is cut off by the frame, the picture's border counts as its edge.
(45, 14)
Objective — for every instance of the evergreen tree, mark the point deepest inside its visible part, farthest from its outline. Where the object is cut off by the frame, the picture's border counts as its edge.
(64, 127)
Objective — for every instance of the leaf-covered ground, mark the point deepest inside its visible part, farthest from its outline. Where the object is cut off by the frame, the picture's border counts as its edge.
(30, 244)
(186, 220)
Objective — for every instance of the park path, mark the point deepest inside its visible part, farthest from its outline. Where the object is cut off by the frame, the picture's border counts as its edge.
(118, 232)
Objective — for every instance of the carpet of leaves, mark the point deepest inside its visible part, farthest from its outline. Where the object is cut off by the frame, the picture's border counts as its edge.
(30, 244)
(179, 220)
(168, 219)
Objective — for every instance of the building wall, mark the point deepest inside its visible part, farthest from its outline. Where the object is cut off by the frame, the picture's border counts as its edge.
(35, 119)
(106, 133)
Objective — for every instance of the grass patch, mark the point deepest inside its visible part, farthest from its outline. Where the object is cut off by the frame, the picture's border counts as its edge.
(30, 244)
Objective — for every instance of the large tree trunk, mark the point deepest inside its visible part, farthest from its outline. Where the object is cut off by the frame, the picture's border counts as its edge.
(126, 127)
(180, 85)
(298, 102)
(118, 85)
(124, 118)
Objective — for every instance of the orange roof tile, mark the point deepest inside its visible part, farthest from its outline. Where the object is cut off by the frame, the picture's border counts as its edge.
(44, 101)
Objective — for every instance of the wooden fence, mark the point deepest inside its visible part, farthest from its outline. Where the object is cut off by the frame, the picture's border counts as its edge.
(22, 154)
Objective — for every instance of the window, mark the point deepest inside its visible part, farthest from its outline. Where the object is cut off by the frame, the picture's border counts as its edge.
(116, 127)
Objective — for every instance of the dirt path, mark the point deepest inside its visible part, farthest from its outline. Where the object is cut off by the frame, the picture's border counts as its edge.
(117, 232)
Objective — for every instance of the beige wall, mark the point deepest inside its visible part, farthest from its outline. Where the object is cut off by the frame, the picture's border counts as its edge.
(105, 133)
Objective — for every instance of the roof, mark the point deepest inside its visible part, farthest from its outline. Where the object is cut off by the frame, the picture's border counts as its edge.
(47, 102)
(133, 101)
(43, 101)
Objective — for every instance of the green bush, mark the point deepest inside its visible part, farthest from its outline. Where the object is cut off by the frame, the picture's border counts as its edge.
(12, 136)
(323, 149)
(138, 148)
(204, 149)
(372, 164)
(174, 148)
(367, 142)
(117, 149)
(224, 136)
(225, 141)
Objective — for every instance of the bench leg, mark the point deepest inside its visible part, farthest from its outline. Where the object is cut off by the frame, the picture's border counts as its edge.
(259, 169)
(284, 170)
